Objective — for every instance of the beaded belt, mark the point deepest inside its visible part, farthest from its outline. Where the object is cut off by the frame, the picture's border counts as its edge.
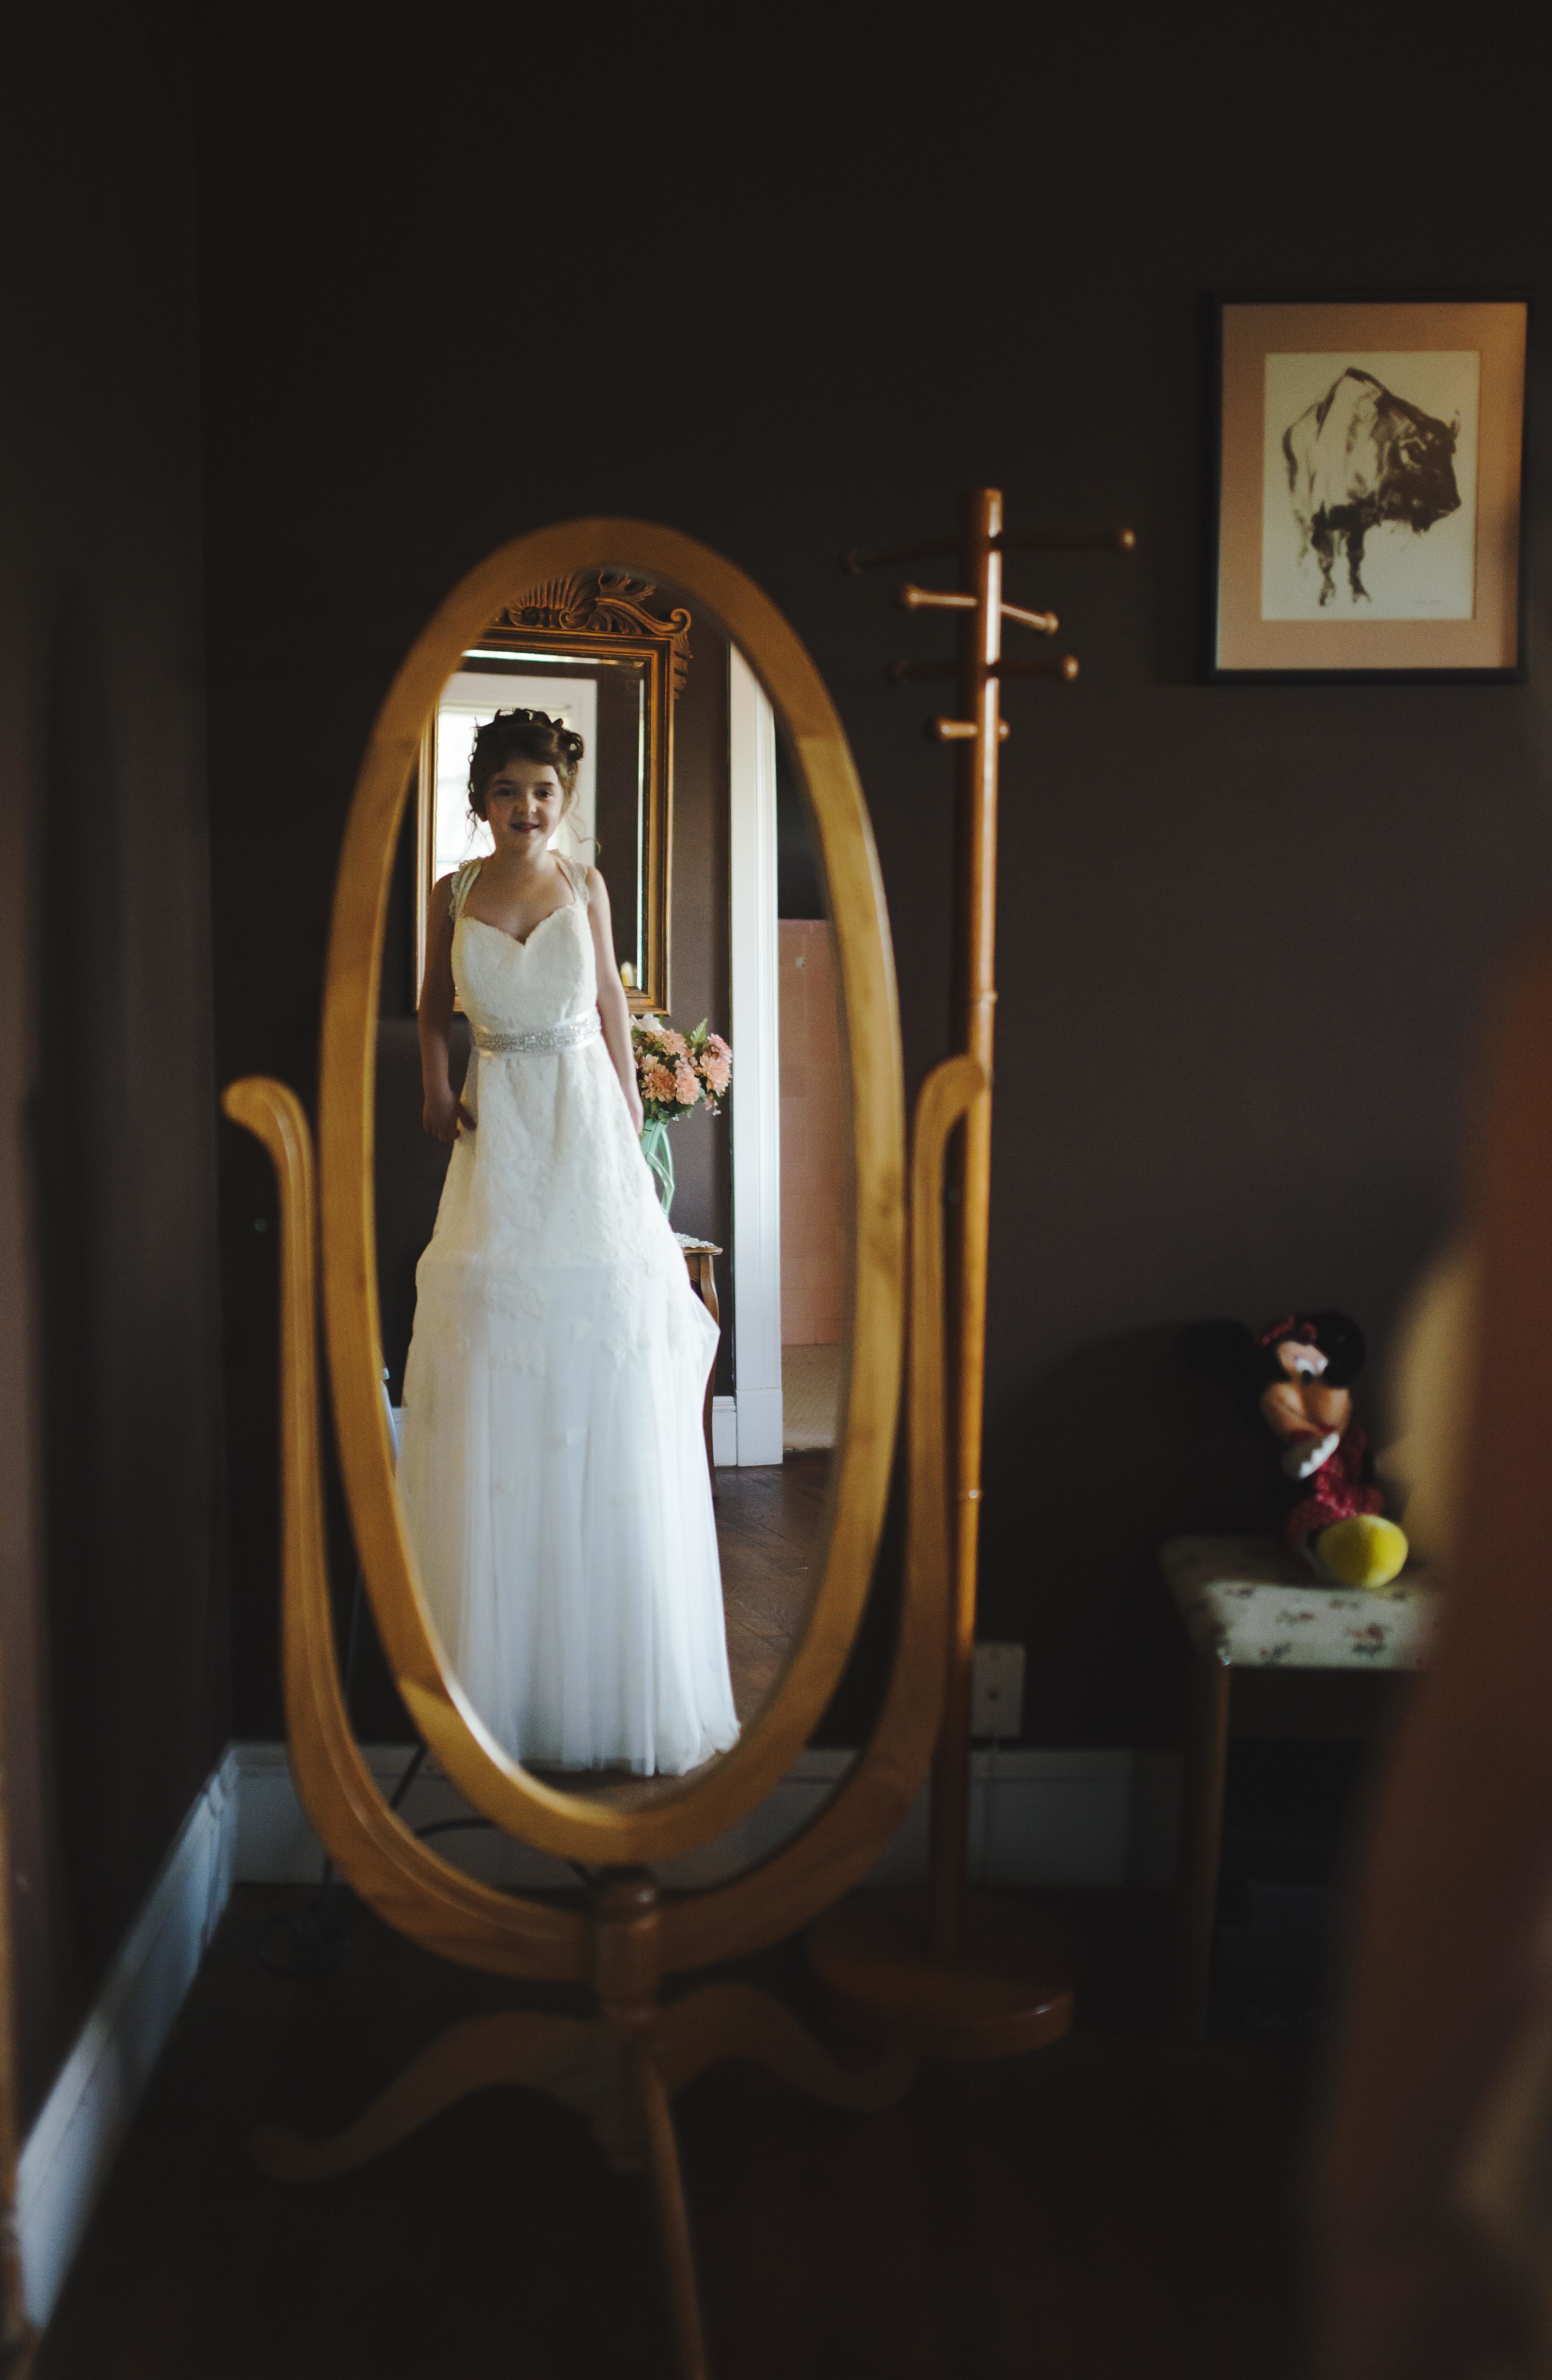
(549, 1038)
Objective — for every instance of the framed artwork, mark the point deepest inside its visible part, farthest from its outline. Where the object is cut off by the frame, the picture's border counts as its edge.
(1367, 475)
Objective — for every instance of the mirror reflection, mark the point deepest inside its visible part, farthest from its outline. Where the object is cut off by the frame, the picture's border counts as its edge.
(603, 653)
(611, 1235)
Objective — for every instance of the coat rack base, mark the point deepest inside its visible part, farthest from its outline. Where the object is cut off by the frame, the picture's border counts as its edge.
(1010, 1988)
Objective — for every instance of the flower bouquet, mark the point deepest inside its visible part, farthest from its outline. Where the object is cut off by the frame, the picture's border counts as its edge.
(675, 1073)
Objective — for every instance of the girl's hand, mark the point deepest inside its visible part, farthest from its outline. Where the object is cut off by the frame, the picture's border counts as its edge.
(442, 1115)
(637, 1114)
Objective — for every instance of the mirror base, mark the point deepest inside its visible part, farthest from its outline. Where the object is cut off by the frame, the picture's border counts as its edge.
(619, 2070)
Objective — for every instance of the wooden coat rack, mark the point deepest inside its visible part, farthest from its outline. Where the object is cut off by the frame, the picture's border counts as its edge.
(950, 1972)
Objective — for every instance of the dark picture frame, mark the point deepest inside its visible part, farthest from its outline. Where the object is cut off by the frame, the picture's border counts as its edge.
(1366, 487)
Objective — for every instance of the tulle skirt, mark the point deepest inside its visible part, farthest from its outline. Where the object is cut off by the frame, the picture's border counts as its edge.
(554, 1478)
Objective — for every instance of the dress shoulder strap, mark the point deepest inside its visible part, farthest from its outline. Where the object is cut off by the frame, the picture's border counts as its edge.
(577, 877)
(461, 887)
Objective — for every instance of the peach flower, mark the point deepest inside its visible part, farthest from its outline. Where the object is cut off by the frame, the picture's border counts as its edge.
(659, 1083)
(686, 1090)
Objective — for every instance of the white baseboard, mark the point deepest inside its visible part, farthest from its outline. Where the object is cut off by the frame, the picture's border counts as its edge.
(1036, 1819)
(71, 2147)
(276, 1843)
(1091, 1818)
(747, 1428)
(1087, 1818)
(759, 1424)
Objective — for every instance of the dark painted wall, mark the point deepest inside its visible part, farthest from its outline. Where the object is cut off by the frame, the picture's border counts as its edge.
(1246, 932)
(115, 1662)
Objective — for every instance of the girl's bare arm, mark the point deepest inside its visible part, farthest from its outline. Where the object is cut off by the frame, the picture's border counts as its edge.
(444, 1112)
(613, 1007)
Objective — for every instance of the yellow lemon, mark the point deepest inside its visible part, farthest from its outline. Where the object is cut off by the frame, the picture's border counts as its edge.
(1364, 1551)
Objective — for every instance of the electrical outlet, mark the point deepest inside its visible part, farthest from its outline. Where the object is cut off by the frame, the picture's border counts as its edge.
(997, 1691)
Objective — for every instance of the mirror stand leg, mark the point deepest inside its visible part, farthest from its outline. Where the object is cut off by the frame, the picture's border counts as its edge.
(668, 2197)
(656, 2057)
(557, 2055)
(631, 2119)
(724, 2021)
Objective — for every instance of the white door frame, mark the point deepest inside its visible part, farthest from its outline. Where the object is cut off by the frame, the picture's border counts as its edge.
(756, 1108)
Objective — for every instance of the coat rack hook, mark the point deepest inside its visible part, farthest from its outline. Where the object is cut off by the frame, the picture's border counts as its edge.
(960, 730)
(918, 599)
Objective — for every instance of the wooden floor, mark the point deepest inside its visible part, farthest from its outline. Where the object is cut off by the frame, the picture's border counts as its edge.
(770, 1520)
(1110, 2209)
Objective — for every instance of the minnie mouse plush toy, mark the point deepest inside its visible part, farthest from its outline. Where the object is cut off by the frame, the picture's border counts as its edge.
(1296, 1377)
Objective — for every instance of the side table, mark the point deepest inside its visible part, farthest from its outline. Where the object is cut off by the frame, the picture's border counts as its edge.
(698, 1254)
(1249, 1603)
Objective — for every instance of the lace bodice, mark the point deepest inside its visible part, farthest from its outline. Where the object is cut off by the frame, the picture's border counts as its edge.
(512, 987)
(553, 1174)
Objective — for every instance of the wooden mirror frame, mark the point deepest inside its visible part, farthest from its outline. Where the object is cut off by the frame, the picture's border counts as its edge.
(373, 1848)
(587, 1832)
(590, 616)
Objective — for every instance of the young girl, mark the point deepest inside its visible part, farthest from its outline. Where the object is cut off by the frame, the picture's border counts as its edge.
(552, 1464)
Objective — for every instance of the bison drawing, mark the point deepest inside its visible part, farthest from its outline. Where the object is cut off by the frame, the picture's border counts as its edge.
(1361, 457)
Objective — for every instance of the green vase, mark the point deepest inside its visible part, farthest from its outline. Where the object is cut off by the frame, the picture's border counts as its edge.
(659, 1157)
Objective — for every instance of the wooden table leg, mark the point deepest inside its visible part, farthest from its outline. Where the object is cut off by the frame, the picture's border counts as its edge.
(703, 1274)
(1200, 1844)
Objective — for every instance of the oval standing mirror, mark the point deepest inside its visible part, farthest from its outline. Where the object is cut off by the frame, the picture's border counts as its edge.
(611, 1186)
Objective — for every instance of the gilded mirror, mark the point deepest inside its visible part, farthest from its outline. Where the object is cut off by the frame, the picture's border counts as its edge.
(565, 1504)
(598, 650)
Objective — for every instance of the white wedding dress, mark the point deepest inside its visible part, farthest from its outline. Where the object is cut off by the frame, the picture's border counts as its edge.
(552, 1462)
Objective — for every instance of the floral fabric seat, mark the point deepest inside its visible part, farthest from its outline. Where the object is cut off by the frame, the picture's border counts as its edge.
(1249, 1603)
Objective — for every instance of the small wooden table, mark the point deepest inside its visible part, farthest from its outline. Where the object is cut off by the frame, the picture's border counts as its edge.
(703, 1278)
(1248, 1603)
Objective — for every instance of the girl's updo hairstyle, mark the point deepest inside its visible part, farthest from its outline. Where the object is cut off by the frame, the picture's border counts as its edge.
(522, 735)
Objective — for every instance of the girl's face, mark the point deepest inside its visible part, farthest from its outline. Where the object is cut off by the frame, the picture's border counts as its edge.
(524, 804)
